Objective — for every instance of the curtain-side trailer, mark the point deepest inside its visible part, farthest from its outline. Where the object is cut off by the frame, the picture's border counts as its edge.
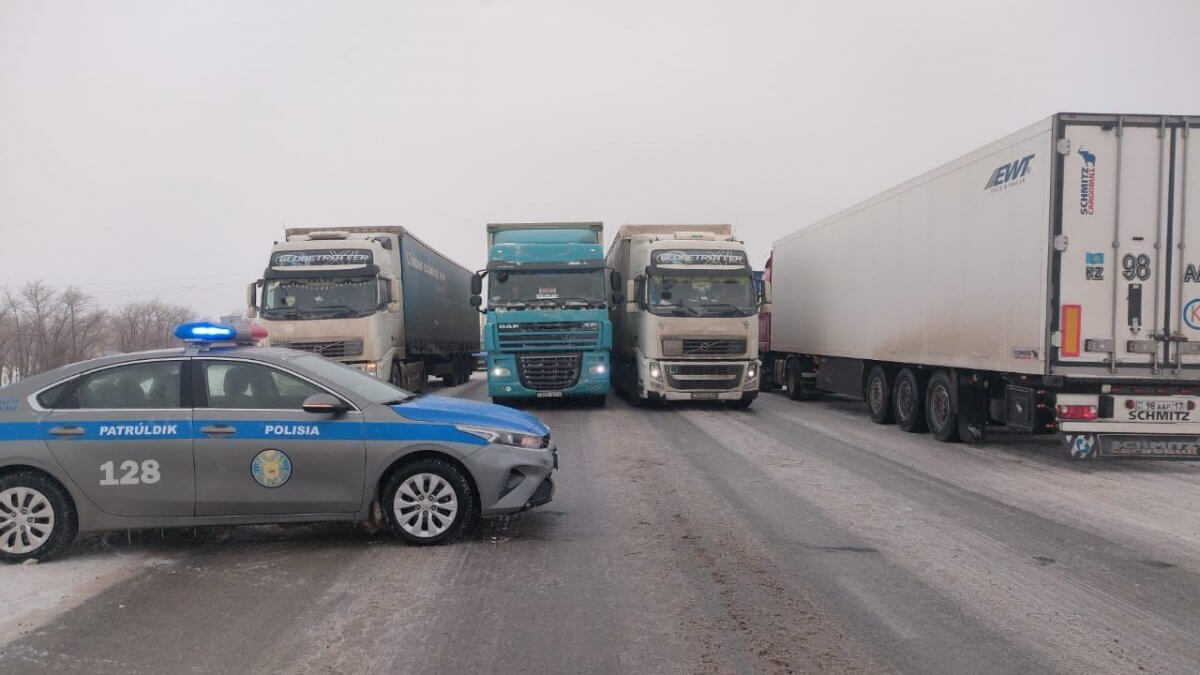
(1042, 282)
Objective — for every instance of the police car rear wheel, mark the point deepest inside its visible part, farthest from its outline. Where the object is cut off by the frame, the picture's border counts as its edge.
(429, 501)
(37, 519)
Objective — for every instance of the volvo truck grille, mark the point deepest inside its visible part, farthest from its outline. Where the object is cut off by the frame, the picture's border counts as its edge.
(549, 372)
(685, 376)
(518, 337)
(332, 349)
(705, 346)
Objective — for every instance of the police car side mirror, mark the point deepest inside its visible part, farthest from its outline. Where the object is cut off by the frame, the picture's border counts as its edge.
(324, 404)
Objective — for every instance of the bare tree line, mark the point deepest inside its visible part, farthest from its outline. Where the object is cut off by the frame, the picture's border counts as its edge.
(42, 327)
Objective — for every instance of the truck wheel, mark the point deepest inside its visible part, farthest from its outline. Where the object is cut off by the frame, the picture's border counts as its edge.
(908, 402)
(429, 501)
(940, 412)
(37, 518)
(878, 394)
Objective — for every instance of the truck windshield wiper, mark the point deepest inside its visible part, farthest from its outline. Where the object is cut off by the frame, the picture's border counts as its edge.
(585, 303)
(681, 305)
(724, 304)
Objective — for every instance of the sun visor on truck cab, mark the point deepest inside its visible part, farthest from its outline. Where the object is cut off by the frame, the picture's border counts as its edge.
(311, 272)
(698, 261)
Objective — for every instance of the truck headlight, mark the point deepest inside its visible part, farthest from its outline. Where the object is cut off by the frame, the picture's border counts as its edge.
(598, 369)
(655, 371)
(501, 371)
(370, 367)
(512, 438)
(751, 372)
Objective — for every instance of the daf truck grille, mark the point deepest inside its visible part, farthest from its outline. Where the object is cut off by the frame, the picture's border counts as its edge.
(332, 349)
(517, 337)
(549, 372)
(687, 377)
(710, 346)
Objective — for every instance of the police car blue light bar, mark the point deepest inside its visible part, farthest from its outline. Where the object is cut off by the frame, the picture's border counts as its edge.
(207, 331)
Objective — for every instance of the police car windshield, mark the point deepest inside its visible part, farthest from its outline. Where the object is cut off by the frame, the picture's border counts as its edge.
(349, 379)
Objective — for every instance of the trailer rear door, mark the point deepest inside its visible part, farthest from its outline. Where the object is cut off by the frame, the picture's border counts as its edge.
(1129, 287)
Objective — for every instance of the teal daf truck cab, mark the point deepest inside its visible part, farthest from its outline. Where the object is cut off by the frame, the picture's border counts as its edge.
(547, 333)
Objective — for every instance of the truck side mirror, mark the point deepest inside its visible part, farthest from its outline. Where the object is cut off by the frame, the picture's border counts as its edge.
(766, 292)
(251, 300)
(394, 295)
(630, 295)
(476, 301)
(477, 284)
(614, 279)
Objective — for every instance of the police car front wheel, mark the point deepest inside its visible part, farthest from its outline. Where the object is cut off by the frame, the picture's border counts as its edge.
(429, 501)
(37, 519)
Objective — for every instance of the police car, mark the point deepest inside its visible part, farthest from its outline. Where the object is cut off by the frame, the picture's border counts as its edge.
(221, 432)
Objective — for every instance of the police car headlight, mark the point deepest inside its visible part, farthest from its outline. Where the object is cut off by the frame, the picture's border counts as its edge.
(513, 438)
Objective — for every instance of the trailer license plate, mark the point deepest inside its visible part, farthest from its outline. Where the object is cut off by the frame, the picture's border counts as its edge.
(704, 397)
(549, 394)
(1160, 411)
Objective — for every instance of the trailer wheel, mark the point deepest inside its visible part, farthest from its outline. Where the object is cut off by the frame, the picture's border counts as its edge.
(908, 402)
(878, 394)
(940, 412)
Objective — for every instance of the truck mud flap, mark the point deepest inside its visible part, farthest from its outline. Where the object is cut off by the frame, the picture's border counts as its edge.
(1091, 446)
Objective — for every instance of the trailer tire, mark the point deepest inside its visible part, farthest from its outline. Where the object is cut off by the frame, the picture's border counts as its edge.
(941, 413)
(878, 394)
(908, 401)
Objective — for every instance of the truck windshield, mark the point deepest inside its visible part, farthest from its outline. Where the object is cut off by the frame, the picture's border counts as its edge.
(566, 288)
(319, 298)
(703, 295)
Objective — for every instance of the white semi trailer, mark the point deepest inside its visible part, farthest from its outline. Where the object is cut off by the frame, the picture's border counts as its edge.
(1042, 282)
(689, 328)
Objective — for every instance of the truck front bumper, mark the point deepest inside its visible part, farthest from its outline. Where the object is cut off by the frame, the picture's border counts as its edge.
(698, 380)
(504, 379)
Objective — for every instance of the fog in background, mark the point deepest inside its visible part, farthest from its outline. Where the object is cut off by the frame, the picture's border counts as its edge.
(156, 149)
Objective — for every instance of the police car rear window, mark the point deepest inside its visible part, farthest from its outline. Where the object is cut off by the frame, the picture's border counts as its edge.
(49, 398)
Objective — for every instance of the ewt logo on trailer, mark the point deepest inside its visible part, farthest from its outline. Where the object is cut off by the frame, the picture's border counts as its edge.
(1087, 184)
(1010, 175)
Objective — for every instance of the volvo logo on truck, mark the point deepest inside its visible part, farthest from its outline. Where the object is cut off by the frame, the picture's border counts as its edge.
(1010, 175)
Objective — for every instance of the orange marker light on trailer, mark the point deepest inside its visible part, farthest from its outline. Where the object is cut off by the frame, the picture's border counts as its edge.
(1071, 315)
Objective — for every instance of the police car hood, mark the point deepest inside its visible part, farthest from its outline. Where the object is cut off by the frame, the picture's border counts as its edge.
(448, 410)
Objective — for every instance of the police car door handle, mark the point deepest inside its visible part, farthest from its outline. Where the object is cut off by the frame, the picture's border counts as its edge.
(66, 431)
(220, 429)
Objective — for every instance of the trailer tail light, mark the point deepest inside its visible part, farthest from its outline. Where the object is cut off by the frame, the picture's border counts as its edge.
(1078, 412)
(1070, 330)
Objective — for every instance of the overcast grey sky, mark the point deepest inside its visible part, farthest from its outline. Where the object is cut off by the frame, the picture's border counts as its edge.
(156, 148)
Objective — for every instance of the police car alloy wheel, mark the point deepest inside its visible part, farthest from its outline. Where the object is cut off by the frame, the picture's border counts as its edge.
(429, 501)
(37, 519)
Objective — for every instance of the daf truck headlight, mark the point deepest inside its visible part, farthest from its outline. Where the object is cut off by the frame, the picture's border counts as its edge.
(511, 438)
(501, 371)
(655, 371)
(598, 369)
